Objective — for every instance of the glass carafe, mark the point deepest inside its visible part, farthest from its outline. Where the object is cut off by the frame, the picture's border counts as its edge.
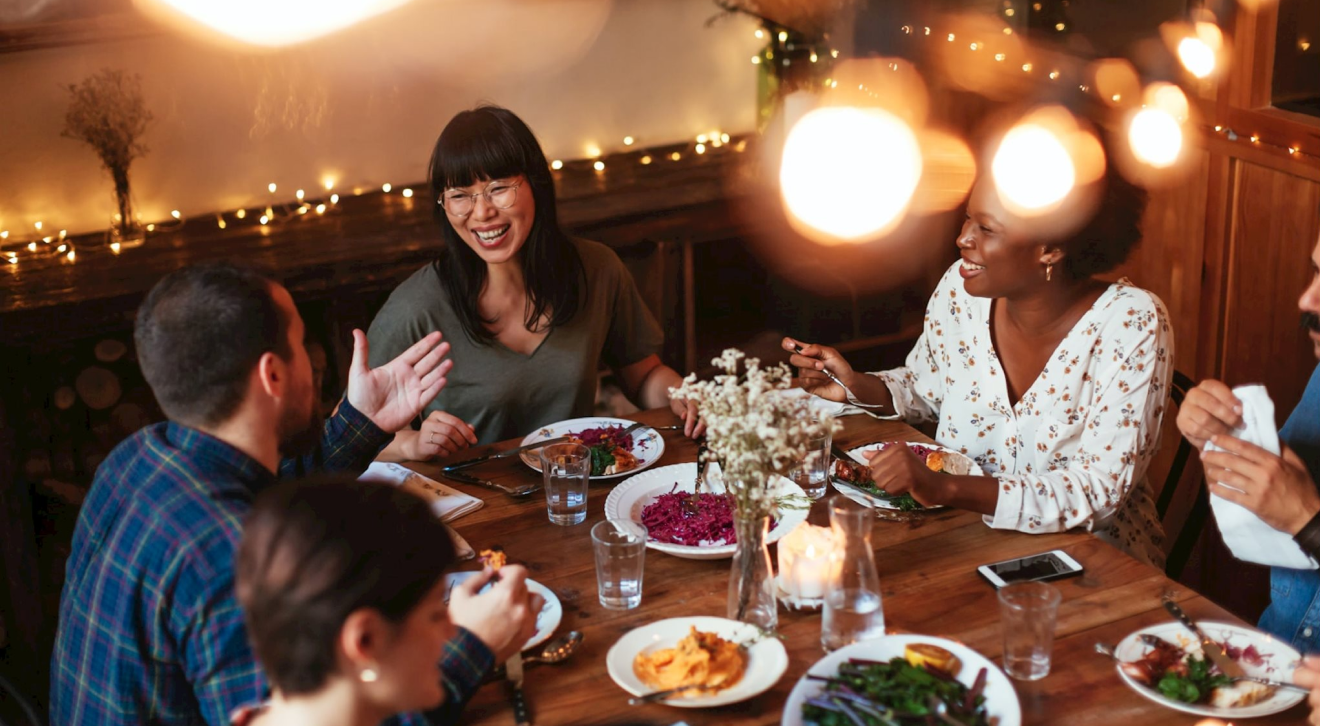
(853, 610)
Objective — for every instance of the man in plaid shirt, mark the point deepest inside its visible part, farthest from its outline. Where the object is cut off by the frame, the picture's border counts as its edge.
(150, 631)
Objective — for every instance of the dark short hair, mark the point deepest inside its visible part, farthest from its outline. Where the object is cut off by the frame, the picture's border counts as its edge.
(200, 332)
(1113, 231)
(490, 142)
(316, 550)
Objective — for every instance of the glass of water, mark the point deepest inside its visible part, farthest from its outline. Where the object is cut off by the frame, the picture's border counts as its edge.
(813, 472)
(853, 609)
(566, 471)
(1027, 612)
(620, 548)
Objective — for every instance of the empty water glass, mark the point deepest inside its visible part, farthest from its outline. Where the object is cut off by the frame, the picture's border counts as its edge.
(566, 471)
(813, 472)
(1027, 611)
(620, 548)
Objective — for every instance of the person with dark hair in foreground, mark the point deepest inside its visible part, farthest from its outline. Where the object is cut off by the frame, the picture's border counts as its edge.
(149, 630)
(1053, 381)
(531, 312)
(342, 587)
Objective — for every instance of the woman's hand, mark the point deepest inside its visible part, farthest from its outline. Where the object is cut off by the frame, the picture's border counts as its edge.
(441, 434)
(1209, 410)
(693, 426)
(504, 617)
(896, 469)
(1278, 489)
(811, 360)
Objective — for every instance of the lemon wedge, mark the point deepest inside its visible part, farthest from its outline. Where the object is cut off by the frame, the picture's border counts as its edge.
(919, 654)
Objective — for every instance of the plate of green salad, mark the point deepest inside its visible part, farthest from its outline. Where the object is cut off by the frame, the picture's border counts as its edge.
(901, 680)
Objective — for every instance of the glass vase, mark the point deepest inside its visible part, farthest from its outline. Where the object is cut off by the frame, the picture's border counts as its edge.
(752, 580)
(125, 229)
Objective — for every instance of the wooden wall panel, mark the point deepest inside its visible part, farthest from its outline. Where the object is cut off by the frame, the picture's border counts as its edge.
(1168, 262)
(1275, 218)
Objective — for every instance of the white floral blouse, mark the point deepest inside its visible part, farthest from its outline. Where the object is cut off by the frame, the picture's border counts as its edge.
(1073, 452)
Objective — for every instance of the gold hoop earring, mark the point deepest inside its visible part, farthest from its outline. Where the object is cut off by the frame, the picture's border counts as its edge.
(1049, 272)
(369, 675)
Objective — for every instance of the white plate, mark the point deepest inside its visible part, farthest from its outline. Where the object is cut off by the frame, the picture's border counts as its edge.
(628, 499)
(963, 466)
(766, 658)
(547, 620)
(647, 443)
(1279, 661)
(1001, 699)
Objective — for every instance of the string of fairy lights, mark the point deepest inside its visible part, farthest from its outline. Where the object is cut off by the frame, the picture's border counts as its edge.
(43, 243)
(40, 245)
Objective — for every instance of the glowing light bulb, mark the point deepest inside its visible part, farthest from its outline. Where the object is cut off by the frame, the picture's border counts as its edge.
(629, 141)
(72, 255)
(386, 187)
(64, 233)
(271, 187)
(975, 46)
(241, 213)
(701, 138)
(756, 60)
(1198, 51)
(951, 37)
(759, 34)
(1000, 57)
(320, 209)
(1059, 27)
(645, 159)
(675, 156)
(599, 165)
(834, 54)
(1156, 137)
(61, 248)
(1032, 169)
(814, 57)
(1026, 67)
(264, 219)
(701, 148)
(151, 227)
(842, 144)
(1010, 12)
(334, 198)
(114, 247)
(4, 234)
(783, 36)
(175, 213)
(13, 260)
(593, 151)
(299, 194)
(1054, 75)
(407, 193)
(724, 138)
(220, 223)
(38, 226)
(32, 246)
(328, 183)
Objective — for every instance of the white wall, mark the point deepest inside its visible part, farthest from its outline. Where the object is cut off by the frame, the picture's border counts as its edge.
(366, 105)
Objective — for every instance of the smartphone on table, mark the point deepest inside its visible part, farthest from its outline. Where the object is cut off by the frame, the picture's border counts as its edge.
(1052, 565)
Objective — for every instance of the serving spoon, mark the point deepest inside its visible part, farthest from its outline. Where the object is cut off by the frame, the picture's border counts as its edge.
(557, 650)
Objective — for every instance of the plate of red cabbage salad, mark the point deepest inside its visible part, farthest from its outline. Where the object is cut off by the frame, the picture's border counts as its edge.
(853, 478)
(613, 453)
(703, 529)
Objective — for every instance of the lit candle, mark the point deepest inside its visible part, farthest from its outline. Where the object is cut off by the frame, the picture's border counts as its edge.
(804, 561)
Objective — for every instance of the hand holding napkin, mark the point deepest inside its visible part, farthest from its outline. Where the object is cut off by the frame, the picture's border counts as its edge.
(1247, 536)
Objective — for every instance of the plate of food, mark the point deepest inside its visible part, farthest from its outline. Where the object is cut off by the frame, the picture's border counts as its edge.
(724, 661)
(911, 674)
(700, 527)
(547, 619)
(854, 481)
(613, 454)
(1165, 664)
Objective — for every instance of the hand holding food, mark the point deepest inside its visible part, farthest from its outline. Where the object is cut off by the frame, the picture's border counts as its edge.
(503, 617)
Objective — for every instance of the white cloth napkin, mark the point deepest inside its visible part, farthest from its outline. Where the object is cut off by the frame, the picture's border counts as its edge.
(449, 504)
(1247, 536)
(822, 406)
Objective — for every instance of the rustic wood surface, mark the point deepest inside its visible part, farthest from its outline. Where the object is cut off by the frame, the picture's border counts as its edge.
(927, 570)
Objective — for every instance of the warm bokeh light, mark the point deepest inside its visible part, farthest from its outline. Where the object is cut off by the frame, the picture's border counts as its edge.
(892, 84)
(1197, 57)
(1168, 98)
(1115, 79)
(272, 23)
(848, 174)
(1042, 159)
(1156, 137)
(948, 171)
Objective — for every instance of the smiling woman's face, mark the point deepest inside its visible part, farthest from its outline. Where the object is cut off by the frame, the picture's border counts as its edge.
(997, 260)
(496, 235)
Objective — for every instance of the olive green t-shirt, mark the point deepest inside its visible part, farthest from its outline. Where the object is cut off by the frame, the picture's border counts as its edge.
(504, 394)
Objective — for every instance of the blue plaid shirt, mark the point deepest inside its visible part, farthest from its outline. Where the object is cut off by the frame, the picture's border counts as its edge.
(150, 630)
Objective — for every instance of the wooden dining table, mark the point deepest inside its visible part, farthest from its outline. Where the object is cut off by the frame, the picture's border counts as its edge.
(927, 567)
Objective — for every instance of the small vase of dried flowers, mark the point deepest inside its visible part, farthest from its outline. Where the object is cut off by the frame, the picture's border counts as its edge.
(757, 434)
(107, 111)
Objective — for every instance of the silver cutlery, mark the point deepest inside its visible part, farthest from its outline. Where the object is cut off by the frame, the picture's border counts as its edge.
(521, 490)
(847, 392)
(1212, 649)
(513, 672)
(658, 695)
(554, 652)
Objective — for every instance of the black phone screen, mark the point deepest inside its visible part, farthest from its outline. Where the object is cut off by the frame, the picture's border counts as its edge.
(1035, 567)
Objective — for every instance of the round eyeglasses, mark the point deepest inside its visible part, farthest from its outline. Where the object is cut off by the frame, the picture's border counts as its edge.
(501, 195)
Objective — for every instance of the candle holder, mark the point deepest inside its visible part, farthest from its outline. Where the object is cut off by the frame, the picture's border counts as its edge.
(805, 566)
(792, 602)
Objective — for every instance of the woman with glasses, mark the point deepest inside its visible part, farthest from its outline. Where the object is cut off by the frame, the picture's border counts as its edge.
(530, 313)
(1052, 379)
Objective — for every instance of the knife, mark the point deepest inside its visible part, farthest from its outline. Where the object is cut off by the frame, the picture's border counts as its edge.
(513, 671)
(1212, 650)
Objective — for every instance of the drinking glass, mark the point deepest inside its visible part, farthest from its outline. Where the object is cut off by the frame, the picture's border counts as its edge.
(1027, 611)
(853, 609)
(620, 547)
(566, 471)
(813, 472)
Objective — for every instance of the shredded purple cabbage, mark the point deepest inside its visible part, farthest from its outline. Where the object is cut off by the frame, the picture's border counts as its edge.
(667, 520)
(604, 435)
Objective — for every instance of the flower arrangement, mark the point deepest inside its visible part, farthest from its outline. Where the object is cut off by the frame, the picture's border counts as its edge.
(108, 112)
(753, 430)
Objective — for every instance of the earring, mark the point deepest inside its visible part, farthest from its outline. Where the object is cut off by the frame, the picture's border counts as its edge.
(368, 675)
(1049, 271)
